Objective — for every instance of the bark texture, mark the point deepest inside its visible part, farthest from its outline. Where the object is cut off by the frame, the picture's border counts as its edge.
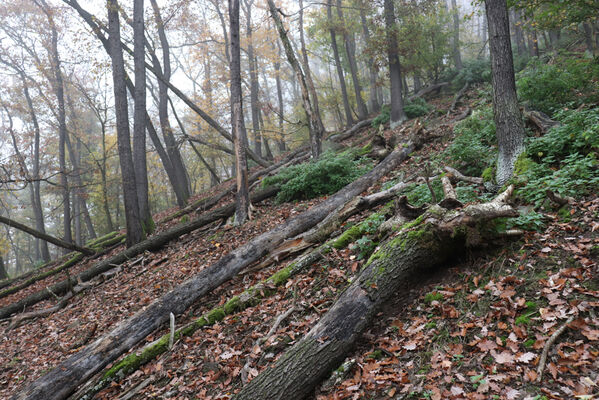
(349, 118)
(508, 119)
(397, 112)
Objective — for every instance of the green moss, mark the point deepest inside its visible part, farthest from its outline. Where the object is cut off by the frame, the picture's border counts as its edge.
(101, 239)
(523, 164)
(215, 315)
(364, 150)
(433, 296)
(232, 305)
(488, 174)
(281, 276)
(369, 225)
(184, 219)
(529, 343)
(595, 250)
(375, 355)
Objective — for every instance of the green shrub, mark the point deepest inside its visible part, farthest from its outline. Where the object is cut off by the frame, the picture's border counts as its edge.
(578, 133)
(416, 108)
(327, 175)
(474, 71)
(568, 82)
(474, 148)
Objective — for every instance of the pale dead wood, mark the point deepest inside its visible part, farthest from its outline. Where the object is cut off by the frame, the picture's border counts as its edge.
(457, 175)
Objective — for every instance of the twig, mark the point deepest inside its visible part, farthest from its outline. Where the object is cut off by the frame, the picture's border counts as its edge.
(427, 173)
(548, 345)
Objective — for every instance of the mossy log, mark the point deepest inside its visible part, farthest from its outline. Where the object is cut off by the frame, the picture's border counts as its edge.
(416, 248)
(150, 244)
(77, 369)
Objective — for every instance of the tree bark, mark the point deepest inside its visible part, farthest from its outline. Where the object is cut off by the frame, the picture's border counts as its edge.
(65, 378)
(314, 126)
(508, 119)
(306, 65)
(373, 102)
(349, 119)
(397, 112)
(3, 273)
(135, 232)
(350, 50)
(51, 239)
(418, 248)
(254, 85)
(237, 122)
(139, 117)
(457, 56)
(281, 105)
(167, 132)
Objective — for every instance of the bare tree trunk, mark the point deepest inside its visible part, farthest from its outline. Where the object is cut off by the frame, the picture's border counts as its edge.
(281, 113)
(373, 102)
(518, 33)
(58, 88)
(306, 65)
(508, 119)
(314, 123)
(349, 119)
(457, 56)
(350, 50)
(239, 133)
(135, 232)
(3, 273)
(139, 117)
(254, 84)
(397, 112)
(167, 132)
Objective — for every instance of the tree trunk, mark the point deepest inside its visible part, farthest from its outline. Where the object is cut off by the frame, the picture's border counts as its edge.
(397, 112)
(167, 132)
(314, 123)
(281, 105)
(254, 89)
(64, 379)
(457, 56)
(306, 65)
(349, 119)
(79, 190)
(373, 102)
(58, 88)
(237, 122)
(58, 242)
(518, 33)
(350, 50)
(417, 249)
(508, 119)
(139, 117)
(3, 273)
(135, 232)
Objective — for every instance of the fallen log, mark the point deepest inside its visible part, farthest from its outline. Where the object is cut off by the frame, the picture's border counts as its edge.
(461, 177)
(340, 137)
(429, 89)
(539, 120)
(50, 239)
(68, 375)
(152, 243)
(419, 246)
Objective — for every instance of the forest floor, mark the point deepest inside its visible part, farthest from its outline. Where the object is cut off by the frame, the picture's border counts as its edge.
(474, 329)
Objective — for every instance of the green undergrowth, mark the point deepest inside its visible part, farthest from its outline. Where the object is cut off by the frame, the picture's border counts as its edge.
(327, 175)
(413, 108)
(565, 82)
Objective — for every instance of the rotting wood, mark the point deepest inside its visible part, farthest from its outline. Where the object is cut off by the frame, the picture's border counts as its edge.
(429, 89)
(540, 120)
(68, 375)
(418, 247)
(152, 243)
